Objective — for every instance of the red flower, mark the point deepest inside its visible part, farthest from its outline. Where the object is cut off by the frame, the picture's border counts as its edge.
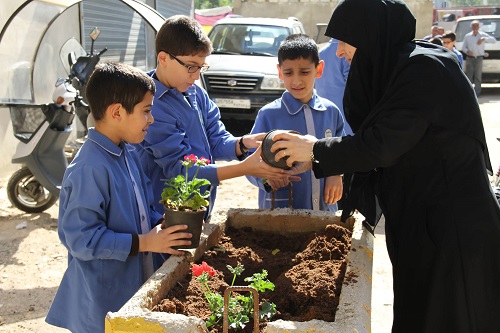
(203, 161)
(200, 269)
(191, 158)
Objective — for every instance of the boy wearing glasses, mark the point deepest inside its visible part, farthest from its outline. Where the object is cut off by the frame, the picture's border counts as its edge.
(187, 121)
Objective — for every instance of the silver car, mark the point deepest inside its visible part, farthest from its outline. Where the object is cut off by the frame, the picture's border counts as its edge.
(243, 74)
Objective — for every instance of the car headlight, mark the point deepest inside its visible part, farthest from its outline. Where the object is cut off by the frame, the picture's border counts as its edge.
(272, 82)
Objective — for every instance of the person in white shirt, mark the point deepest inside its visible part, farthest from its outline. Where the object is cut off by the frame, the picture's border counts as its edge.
(473, 47)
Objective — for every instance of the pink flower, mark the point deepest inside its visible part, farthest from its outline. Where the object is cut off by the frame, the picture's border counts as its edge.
(191, 158)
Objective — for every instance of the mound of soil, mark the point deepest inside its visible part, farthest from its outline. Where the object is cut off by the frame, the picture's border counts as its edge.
(307, 270)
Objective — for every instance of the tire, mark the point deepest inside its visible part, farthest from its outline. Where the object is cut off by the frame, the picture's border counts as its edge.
(496, 190)
(27, 194)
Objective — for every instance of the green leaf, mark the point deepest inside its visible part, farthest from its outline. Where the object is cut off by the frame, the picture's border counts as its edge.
(268, 310)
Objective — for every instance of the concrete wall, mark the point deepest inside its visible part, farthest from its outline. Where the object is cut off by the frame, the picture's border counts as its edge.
(312, 12)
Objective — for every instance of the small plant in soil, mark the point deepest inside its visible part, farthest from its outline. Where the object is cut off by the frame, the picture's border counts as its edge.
(240, 308)
(307, 271)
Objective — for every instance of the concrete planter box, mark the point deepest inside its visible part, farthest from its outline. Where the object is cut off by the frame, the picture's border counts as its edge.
(353, 314)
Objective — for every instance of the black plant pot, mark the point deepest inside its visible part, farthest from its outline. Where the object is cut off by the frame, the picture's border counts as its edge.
(266, 154)
(194, 221)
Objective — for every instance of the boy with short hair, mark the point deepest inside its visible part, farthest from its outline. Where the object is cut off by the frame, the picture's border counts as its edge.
(302, 110)
(106, 219)
(187, 121)
(448, 40)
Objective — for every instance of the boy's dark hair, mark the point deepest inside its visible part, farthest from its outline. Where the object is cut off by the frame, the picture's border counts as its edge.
(451, 35)
(436, 40)
(182, 36)
(113, 82)
(298, 46)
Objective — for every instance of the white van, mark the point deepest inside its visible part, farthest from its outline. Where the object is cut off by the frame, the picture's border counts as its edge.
(491, 25)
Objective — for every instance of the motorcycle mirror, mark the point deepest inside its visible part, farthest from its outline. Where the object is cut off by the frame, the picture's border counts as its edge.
(71, 58)
(95, 33)
(60, 81)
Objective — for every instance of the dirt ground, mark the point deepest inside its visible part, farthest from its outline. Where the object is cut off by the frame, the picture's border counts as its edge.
(33, 260)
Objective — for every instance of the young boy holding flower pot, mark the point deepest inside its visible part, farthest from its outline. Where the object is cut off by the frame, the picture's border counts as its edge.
(187, 121)
(106, 218)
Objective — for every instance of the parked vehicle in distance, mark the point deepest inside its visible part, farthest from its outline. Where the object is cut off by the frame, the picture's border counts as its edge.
(491, 25)
(243, 76)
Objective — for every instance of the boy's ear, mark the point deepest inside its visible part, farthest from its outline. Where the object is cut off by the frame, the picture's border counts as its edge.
(115, 111)
(162, 57)
(280, 75)
(319, 69)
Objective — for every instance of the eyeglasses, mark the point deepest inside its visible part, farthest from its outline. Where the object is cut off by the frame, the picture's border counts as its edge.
(191, 69)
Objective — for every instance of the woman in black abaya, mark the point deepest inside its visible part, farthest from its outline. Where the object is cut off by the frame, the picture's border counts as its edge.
(421, 161)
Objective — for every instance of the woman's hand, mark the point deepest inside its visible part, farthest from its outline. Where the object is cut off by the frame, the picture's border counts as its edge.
(297, 147)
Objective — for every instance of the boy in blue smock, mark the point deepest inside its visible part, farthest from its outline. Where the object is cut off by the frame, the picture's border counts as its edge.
(302, 110)
(106, 218)
(187, 121)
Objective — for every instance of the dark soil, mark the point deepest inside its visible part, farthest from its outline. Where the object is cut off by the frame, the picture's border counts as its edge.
(307, 271)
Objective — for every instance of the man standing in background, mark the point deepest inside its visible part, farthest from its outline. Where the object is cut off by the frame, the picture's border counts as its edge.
(473, 47)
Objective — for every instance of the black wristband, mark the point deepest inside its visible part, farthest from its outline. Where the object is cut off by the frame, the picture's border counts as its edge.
(243, 148)
(134, 248)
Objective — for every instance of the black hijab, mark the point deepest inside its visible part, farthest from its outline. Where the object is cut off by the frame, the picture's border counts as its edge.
(383, 33)
(377, 28)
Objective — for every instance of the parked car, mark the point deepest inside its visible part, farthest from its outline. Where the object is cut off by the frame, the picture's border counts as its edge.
(491, 25)
(243, 76)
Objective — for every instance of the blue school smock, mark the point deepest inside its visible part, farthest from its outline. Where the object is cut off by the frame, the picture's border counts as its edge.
(331, 84)
(185, 123)
(287, 113)
(98, 214)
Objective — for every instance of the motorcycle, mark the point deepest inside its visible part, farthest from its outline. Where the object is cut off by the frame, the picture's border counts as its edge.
(43, 131)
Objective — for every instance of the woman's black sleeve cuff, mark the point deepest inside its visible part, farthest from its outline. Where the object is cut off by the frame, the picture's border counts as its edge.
(134, 249)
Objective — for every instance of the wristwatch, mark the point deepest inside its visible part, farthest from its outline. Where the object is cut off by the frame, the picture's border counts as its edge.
(312, 154)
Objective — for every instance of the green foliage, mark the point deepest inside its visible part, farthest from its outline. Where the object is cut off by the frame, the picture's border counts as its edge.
(206, 4)
(240, 307)
(181, 194)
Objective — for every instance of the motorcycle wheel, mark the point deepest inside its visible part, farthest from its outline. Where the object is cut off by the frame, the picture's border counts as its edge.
(27, 194)
(496, 190)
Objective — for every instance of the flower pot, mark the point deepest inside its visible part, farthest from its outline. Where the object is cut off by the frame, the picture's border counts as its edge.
(268, 156)
(194, 221)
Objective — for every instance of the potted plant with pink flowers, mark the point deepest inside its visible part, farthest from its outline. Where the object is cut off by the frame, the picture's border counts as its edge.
(185, 200)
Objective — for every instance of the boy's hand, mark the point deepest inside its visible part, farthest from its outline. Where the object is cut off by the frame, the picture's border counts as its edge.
(278, 183)
(256, 167)
(253, 140)
(161, 240)
(333, 189)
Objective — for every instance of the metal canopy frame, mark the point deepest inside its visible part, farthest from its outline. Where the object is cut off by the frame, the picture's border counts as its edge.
(25, 23)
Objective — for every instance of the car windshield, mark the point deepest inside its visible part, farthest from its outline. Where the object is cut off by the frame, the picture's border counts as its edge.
(247, 39)
(490, 26)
